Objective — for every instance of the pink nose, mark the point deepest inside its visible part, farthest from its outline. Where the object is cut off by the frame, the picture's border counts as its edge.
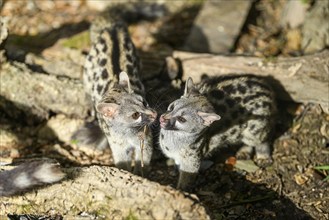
(162, 120)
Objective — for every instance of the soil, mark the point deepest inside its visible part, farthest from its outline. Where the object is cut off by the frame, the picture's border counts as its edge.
(289, 188)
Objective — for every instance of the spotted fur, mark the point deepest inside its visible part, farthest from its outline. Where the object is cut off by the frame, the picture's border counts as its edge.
(112, 81)
(27, 176)
(218, 112)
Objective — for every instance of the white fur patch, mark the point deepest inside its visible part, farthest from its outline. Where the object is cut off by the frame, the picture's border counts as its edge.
(22, 181)
(139, 119)
(46, 174)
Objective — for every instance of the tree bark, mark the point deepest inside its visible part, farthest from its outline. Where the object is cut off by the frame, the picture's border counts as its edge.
(109, 193)
(302, 79)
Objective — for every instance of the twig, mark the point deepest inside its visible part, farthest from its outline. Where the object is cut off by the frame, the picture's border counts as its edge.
(142, 145)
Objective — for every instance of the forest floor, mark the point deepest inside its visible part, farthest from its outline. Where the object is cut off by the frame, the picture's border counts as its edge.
(229, 189)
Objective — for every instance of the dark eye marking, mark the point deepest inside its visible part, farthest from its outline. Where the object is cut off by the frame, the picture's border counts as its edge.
(181, 119)
(170, 108)
(136, 115)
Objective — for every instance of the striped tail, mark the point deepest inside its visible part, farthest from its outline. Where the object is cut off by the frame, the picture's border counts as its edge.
(29, 175)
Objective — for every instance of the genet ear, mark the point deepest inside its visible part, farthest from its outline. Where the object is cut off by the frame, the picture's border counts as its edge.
(190, 88)
(107, 109)
(124, 81)
(208, 118)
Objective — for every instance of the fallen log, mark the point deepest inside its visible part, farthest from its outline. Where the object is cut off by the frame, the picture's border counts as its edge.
(40, 94)
(302, 79)
(107, 193)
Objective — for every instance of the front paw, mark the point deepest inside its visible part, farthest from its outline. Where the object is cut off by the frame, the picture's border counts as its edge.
(263, 157)
(263, 161)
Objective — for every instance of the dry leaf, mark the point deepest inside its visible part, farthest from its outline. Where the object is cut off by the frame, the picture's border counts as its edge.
(247, 165)
(296, 128)
(231, 161)
(324, 131)
(294, 109)
(300, 178)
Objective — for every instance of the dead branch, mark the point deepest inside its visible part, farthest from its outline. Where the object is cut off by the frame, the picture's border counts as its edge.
(41, 93)
(305, 79)
(107, 192)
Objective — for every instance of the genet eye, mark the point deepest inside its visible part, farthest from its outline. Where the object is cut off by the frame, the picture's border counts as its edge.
(136, 115)
(181, 119)
(170, 108)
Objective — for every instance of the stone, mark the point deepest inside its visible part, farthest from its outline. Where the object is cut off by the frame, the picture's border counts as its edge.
(98, 5)
(60, 127)
(315, 30)
(217, 26)
(3, 37)
(294, 13)
(7, 139)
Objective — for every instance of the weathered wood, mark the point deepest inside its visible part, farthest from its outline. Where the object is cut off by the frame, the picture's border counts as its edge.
(109, 194)
(305, 79)
(39, 94)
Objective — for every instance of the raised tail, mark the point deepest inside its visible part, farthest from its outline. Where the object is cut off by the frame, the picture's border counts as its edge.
(29, 175)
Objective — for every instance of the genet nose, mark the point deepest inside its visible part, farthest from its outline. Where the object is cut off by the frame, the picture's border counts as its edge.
(154, 115)
(162, 120)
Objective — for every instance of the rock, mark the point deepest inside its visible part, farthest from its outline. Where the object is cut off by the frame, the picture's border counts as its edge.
(7, 139)
(98, 5)
(294, 39)
(315, 30)
(3, 37)
(11, 142)
(60, 127)
(293, 14)
(3, 29)
(65, 62)
(217, 26)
